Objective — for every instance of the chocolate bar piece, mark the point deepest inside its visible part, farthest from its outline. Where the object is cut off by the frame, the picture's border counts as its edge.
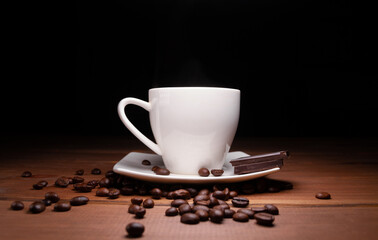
(259, 163)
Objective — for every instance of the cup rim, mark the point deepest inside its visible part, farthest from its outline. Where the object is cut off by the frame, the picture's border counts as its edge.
(194, 88)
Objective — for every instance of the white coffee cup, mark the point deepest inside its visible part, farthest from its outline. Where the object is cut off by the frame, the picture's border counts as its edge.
(193, 126)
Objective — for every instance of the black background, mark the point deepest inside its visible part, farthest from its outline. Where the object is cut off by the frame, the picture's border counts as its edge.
(304, 68)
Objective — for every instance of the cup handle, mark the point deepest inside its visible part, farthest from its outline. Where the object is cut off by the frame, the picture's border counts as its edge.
(121, 112)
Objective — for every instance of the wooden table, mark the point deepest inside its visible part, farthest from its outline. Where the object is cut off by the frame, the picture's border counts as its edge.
(348, 169)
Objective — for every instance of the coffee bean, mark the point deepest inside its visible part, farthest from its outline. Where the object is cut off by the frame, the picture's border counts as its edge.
(202, 214)
(272, 209)
(169, 195)
(37, 207)
(140, 212)
(240, 202)
(78, 201)
(127, 191)
(17, 205)
(217, 172)
(37, 186)
(203, 172)
(233, 194)
(258, 209)
(323, 195)
(112, 175)
(135, 229)
(190, 218)
(137, 200)
(228, 213)
(204, 191)
(83, 187)
(184, 208)
(201, 197)
(102, 192)
(240, 217)
(77, 180)
(96, 171)
(47, 202)
(162, 171)
(219, 195)
(203, 203)
(62, 182)
(79, 172)
(104, 182)
(148, 203)
(216, 216)
(195, 208)
(133, 208)
(177, 202)
(181, 193)
(154, 168)
(52, 196)
(113, 193)
(26, 174)
(43, 183)
(156, 193)
(221, 202)
(221, 207)
(172, 211)
(146, 162)
(226, 192)
(213, 202)
(93, 183)
(62, 207)
(249, 212)
(264, 219)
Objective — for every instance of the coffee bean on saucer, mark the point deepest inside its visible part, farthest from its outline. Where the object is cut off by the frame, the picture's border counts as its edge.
(17, 205)
(96, 171)
(135, 229)
(216, 215)
(79, 172)
(137, 200)
(154, 168)
(140, 212)
(62, 207)
(79, 200)
(203, 172)
(148, 203)
(52, 196)
(240, 202)
(102, 192)
(62, 182)
(323, 195)
(217, 172)
(146, 162)
(113, 193)
(162, 171)
(177, 202)
(26, 174)
(190, 218)
(272, 209)
(264, 219)
(249, 212)
(172, 211)
(37, 207)
(240, 217)
(156, 193)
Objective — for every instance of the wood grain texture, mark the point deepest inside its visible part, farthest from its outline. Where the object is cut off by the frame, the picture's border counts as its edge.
(348, 169)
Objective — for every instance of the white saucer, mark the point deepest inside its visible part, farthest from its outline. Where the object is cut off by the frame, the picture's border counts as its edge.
(131, 165)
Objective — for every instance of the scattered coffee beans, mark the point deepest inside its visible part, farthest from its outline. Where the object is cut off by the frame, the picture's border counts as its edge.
(148, 203)
(272, 209)
(26, 174)
(79, 172)
(217, 172)
(102, 192)
(96, 171)
(62, 207)
(37, 207)
(190, 218)
(240, 217)
(172, 211)
(146, 162)
(264, 219)
(135, 229)
(17, 205)
(204, 172)
(240, 202)
(52, 196)
(78, 201)
(323, 195)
